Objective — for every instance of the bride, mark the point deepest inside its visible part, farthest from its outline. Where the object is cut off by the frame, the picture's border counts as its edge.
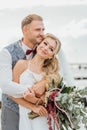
(43, 65)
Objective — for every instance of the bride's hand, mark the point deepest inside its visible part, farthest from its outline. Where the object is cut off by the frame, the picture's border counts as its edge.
(40, 110)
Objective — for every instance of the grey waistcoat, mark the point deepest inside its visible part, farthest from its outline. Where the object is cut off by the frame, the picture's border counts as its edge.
(17, 53)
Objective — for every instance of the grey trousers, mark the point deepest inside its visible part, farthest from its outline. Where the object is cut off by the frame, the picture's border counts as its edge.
(9, 119)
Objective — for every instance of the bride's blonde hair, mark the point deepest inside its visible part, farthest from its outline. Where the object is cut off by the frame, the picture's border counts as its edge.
(51, 66)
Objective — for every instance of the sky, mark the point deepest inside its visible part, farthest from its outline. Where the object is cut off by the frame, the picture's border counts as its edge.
(22, 3)
(67, 19)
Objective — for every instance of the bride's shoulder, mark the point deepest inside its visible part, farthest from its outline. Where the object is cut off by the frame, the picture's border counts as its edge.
(21, 61)
(21, 65)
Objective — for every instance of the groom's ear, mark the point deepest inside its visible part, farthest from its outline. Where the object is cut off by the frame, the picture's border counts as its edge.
(24, 29)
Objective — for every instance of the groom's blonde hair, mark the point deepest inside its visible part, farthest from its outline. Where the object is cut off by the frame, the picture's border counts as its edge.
(28, 19)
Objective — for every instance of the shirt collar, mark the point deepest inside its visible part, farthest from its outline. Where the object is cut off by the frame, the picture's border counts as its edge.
(25, 47)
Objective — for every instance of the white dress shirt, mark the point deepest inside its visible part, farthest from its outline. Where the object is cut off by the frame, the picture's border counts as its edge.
(24, 47)
(7, 85)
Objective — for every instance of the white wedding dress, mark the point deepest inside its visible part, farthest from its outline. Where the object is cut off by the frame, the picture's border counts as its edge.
(40, 123)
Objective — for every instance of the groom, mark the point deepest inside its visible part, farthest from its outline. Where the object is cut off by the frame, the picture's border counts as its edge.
(33, 31)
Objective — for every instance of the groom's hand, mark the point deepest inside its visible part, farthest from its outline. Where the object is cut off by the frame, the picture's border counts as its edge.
(39, 88)
(29, 96)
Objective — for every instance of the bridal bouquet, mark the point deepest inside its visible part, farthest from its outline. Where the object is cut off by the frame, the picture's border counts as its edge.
(67, 107)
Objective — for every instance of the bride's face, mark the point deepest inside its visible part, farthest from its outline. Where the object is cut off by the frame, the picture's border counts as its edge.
(46, 48)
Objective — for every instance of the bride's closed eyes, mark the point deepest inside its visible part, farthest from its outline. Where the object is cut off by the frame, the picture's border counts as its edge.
(51, 48)
(45, 43)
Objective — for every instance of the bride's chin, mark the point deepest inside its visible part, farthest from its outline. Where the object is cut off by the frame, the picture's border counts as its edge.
(42, 56)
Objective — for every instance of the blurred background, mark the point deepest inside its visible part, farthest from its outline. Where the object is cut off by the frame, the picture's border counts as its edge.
(67, 19)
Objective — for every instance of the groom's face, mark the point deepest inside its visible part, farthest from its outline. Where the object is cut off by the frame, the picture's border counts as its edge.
(35, 31)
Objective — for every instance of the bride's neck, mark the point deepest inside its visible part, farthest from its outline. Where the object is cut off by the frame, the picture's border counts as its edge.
(37, 61)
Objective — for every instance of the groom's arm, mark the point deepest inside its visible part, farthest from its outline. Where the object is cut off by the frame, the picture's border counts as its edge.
(6, 84)
(40, 110)
(22, 102)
